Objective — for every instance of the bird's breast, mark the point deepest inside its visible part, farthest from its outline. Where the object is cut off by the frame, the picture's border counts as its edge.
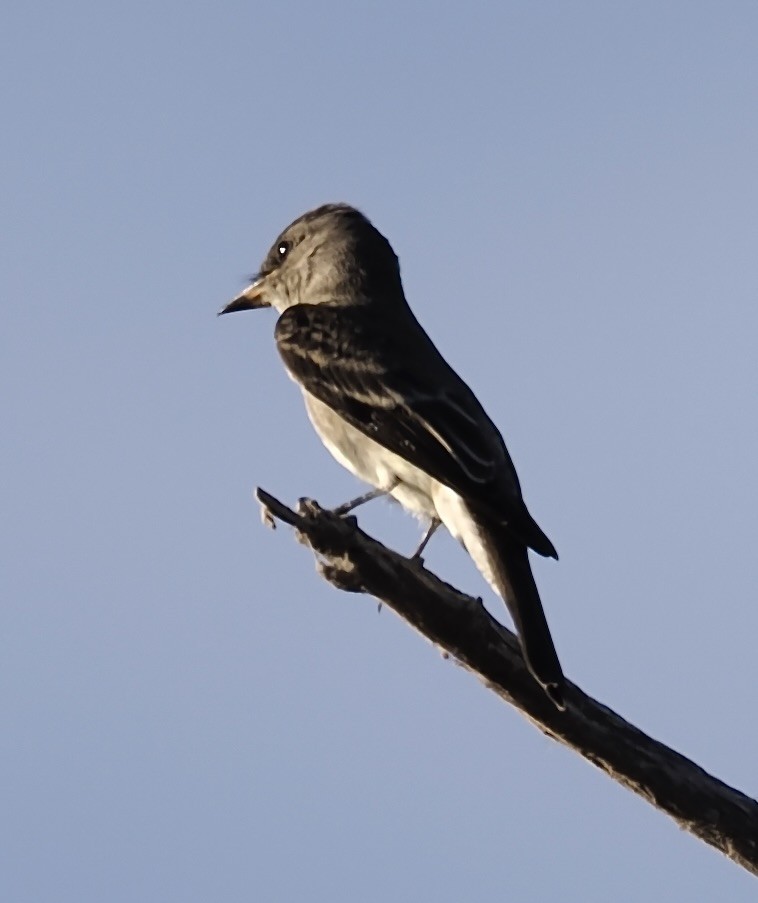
(370, 461)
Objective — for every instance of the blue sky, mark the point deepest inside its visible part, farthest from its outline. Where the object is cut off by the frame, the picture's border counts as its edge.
(188, 712)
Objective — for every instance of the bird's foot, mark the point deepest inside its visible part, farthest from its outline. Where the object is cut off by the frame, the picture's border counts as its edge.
(434, 523)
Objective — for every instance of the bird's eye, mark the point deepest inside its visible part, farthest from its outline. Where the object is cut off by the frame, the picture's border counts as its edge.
(283, 250)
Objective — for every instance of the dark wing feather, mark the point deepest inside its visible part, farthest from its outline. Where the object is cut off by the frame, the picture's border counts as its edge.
(413, 404)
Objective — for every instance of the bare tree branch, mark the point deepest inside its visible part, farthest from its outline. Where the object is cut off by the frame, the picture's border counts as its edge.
(460, 625)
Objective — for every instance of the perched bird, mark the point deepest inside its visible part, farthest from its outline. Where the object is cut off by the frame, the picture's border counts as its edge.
(392, 411)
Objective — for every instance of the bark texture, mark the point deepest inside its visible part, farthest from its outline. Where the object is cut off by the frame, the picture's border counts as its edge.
(459, 624)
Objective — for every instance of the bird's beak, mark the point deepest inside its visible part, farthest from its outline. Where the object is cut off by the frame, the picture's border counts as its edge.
(253, 297)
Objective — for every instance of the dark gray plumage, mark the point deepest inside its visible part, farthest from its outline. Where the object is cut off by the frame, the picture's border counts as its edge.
(388, 406)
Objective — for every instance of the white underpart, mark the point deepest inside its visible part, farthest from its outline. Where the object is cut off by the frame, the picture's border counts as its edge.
(416, 491)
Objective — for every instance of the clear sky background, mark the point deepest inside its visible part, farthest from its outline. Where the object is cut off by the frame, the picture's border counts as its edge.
(188, 713)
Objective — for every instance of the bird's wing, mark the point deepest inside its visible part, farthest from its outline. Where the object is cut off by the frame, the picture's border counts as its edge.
(413, 404)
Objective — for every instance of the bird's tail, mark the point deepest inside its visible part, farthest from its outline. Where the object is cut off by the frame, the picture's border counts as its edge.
(513, 579)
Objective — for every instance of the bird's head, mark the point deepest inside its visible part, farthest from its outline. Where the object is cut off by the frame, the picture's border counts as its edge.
(331, 255)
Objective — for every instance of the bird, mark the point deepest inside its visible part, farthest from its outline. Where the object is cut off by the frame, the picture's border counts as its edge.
(390, 409)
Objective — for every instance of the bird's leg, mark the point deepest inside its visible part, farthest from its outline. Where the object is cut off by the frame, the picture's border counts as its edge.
(342, 510)
(433, 524)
